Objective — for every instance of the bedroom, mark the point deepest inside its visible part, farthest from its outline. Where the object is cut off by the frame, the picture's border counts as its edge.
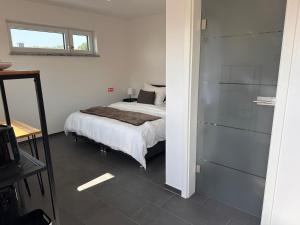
(131, 52)
(128, 46)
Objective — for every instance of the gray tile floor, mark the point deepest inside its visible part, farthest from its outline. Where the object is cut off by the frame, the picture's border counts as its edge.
(133, 197)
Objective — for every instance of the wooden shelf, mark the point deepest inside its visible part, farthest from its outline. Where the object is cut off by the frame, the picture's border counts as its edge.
(27, 167)
(18, 72)
(23, 130)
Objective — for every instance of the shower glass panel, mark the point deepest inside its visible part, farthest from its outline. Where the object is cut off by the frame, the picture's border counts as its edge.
(240, 55)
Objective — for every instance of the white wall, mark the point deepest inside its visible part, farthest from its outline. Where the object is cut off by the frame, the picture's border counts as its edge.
(69, 83)
(282, 197)
(131, 52)
(147, 50)
(182, 80)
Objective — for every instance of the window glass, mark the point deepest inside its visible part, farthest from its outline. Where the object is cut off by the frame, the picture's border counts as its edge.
(80, 42)
(34, 39)
(22, 38)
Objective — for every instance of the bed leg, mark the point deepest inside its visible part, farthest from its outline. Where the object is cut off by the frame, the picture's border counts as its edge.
(75, 137)
(102, 149)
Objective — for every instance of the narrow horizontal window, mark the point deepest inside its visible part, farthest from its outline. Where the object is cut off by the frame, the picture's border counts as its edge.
(43, 39)
(37, 39)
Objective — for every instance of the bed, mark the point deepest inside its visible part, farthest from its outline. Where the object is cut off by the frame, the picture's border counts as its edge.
(140, 142)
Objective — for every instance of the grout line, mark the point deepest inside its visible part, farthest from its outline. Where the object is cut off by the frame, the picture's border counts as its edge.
(229, 221)
(154, 183)
(201, 204)
(165, 202)
(173, 214)
(140, 209)
(123, 214)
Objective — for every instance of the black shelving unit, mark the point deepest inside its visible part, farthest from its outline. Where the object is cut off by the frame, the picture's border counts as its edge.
(27, 167)
(28, 164)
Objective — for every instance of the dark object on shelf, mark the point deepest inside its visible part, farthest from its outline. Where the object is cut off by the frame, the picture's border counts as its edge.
(130, 100)
(9, 151)
(8, 206)
(36, 217)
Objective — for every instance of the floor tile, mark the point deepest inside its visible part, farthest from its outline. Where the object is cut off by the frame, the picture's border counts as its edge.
(147, 190)
(152, 215)
(75, 202)
(103, 214)
(197, 214)
(68, 219)
(240, 218)
(126, 202)
(133, 197)
(199, 198)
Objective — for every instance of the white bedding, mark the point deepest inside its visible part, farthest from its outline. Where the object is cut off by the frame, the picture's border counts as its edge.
(133, 140)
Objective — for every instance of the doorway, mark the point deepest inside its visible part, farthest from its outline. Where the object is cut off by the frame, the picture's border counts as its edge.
(240, 55)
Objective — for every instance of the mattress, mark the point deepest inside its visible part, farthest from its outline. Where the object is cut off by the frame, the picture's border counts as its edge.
(130, 139)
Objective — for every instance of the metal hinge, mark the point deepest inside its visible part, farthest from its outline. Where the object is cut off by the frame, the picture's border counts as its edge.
(203, 24)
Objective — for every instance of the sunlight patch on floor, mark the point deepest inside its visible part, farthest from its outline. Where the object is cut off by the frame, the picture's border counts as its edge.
(96, 181)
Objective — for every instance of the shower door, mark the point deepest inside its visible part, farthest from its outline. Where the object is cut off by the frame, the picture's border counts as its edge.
(240, 55)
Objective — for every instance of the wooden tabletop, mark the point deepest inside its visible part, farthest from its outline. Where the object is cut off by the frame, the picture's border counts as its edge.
(23, 130)
(18, 72)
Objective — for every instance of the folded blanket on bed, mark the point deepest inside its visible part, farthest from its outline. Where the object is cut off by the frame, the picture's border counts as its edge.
(134, 118)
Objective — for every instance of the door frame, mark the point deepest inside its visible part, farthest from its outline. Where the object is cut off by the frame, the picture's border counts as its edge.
(192, 59)
(292, 18)
(192, 62)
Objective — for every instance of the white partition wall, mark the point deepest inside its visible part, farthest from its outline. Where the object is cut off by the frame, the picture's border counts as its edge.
(182, 70)
(281, 203)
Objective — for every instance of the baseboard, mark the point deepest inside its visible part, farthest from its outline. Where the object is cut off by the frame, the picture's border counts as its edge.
(172, 189)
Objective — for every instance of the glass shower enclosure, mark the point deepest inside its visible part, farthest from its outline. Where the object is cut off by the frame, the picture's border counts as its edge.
(240, 55)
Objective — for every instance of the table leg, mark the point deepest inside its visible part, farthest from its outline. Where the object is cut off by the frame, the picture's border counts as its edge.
(19, 192)
(35, 153)
(30, 146)
(27, 187)
(43, 122)
(40, 177)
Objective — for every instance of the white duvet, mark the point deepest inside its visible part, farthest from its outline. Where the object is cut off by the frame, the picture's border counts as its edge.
(133, 140)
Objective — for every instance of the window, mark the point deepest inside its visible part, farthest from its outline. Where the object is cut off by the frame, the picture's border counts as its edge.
(80, 42)
(38, 39)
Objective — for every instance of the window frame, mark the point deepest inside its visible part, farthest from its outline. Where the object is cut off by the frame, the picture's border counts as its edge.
(67, 37)
(88, 34)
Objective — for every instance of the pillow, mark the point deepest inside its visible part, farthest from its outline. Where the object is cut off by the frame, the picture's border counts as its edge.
(146, 97)
(160, 93)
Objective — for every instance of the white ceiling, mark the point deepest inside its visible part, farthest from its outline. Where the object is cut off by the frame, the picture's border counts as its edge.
(121, 8)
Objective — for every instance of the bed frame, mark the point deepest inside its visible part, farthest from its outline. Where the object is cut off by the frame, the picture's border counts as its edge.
(157, 149)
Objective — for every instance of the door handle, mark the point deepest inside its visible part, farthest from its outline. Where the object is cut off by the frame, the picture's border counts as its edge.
(265, 101)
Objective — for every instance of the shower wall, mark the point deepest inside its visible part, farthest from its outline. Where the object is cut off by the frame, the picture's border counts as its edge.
(240, 55)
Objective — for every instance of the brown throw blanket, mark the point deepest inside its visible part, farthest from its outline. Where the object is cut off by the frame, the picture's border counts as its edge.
(134, 118)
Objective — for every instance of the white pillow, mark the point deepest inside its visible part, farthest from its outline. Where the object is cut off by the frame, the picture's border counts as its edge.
(160, 93)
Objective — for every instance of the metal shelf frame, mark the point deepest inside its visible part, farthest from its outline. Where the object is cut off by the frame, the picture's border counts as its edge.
(35, 75)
